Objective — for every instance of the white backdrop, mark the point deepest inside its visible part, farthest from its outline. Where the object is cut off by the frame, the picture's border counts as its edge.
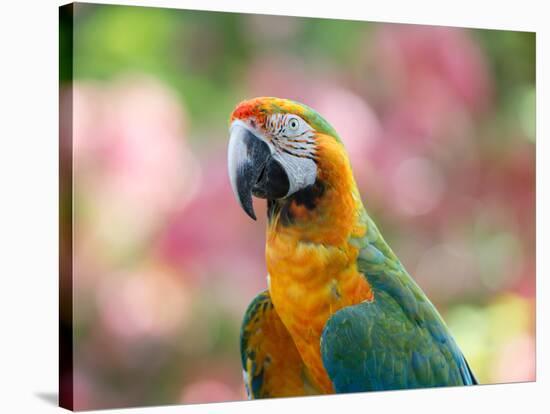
(29, 190)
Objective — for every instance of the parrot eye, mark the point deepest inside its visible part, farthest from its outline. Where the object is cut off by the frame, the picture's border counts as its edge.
(293, 124)
(284, 127)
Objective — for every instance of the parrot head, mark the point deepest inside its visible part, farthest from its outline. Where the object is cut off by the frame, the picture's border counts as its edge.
(279, 149)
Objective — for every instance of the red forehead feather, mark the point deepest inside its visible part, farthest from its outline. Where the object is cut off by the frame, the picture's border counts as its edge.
(247, 109)
(243, 110)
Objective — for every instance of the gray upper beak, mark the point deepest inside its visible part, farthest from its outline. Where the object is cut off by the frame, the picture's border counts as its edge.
(246, 159)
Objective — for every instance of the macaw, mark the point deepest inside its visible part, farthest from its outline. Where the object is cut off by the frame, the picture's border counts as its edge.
(340, 314)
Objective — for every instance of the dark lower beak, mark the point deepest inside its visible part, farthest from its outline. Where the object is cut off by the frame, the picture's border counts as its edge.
(252, 170)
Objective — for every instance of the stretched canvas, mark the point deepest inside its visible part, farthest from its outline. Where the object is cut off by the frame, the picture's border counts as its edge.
(258, 206)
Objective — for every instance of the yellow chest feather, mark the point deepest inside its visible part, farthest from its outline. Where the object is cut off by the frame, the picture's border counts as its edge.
(308, 283)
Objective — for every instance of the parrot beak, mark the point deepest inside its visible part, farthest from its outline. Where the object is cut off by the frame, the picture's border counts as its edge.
(252, 169)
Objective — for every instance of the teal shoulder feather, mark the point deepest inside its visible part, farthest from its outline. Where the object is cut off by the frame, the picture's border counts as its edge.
(398, 340)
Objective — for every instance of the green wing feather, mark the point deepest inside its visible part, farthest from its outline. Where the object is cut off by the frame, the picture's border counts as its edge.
(398, 340)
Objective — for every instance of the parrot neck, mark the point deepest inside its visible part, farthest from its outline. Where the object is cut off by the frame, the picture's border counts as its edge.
(311, 263)
(326, 212)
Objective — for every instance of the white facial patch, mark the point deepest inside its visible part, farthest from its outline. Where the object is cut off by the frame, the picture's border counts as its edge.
(301, 171)
(295, 148)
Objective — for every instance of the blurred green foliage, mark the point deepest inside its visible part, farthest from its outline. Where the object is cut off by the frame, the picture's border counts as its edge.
(202, 54)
